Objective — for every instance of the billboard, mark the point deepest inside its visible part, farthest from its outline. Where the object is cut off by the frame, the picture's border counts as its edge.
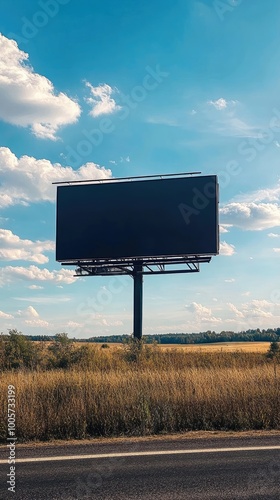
(162, 217)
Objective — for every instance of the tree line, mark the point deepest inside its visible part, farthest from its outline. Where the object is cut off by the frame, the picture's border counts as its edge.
(19, 352)
(251, 335)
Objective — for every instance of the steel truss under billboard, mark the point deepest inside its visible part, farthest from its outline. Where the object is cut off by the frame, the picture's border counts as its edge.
(138, 226)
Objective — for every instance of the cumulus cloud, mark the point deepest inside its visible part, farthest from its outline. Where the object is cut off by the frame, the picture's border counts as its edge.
(277, 249)
(10, 274)
(31, 317)
(29, 312)
(250, 215)
(258, 308)
(202, 313)
(255, 211)
(28, 99)
(26, 179)
(5, 315)
(14, 248)
(101, 100)
(226, 249)
(236, 311)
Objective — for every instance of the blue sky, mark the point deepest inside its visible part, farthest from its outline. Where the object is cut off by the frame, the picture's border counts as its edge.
(112, 89)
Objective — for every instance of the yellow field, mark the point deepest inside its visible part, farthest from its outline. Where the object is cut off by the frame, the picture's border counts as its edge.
(260, 347)
(223, 346)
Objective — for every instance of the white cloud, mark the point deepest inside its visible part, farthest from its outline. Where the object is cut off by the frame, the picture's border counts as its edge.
(105, 322)
(277, 250)
(5, 315)
(35, 287)
(29, 312)
(268, 194)
(202, 313)
(219, 103)
(28, 99)
(221, 116)
(74, 324)
(33, 273)
(223, 228)
(226, 249)
(233, 126)
(14, 248)
(230, 280)
(26, 179)
(43, 300)
(101, 101)
(31, 317)
(273, 235)
(37, 322)
(233, 308)
(250, 215)
(258, 309)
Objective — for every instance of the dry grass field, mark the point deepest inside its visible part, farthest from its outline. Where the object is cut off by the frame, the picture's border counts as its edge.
(213, 347)
(223, 347)
(157, 390)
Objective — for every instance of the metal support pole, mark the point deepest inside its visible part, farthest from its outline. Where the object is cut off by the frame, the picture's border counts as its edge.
(138, 300)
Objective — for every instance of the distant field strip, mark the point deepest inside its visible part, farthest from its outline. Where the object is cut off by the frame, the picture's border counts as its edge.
(222, 347)
(211, 347)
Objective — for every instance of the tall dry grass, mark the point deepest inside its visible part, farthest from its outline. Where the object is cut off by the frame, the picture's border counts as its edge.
(120, 392)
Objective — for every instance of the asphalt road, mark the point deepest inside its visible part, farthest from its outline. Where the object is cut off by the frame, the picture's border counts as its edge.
(191, 469)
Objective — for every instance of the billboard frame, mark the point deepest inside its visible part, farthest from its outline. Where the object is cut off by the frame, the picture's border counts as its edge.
(136, 267)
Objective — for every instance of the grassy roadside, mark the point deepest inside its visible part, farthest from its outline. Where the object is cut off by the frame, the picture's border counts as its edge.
(157, 393)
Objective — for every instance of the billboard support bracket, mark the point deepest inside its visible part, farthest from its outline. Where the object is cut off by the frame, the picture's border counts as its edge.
(137, 268)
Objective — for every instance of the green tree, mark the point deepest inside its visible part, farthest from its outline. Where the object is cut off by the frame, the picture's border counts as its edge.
(20, 352)
(61, 351)
(274, 351)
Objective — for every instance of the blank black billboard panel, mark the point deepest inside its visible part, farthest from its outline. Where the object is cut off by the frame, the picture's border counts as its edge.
(147, 218)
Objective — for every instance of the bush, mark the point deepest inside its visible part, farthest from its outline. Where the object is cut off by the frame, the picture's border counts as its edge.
(274, 351)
